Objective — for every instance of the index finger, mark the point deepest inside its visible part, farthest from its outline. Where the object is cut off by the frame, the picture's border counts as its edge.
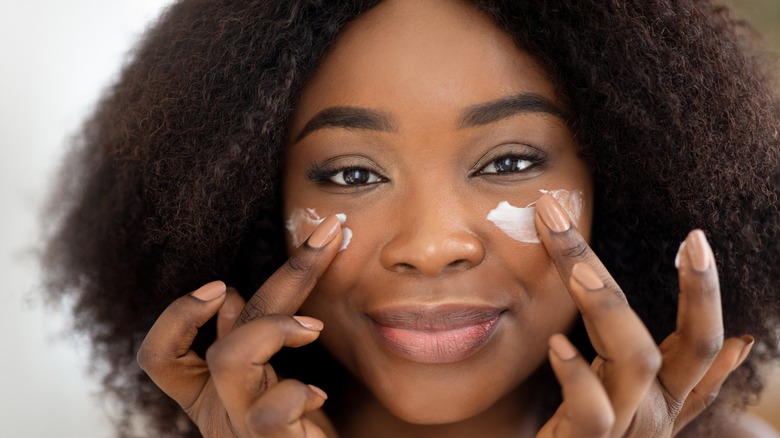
(285, 290)
(565, 244)
(630, 356)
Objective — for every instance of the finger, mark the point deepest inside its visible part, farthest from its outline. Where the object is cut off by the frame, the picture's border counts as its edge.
(238, 362)
(730, 357)
(165, 353)
(280, 412)
(563, 241)
(228, 313)
(586, 410)
(630, 356)
(284, 292)
(698, 337)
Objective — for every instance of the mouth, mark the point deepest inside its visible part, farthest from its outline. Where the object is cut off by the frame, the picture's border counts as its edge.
(435, 334)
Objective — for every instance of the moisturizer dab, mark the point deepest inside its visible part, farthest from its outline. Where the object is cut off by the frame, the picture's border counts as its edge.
(518, 222)
(302, 222)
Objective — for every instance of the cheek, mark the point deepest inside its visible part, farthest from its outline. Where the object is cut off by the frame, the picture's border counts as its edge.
(301, 222)
(518, 222)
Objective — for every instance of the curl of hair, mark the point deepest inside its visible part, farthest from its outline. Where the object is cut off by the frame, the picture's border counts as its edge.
(173, 181)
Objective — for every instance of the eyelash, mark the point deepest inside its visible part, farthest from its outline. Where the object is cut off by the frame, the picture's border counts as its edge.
(325, 175)
(532, 159)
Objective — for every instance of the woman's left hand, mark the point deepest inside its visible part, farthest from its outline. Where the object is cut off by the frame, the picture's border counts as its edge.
(635, 388)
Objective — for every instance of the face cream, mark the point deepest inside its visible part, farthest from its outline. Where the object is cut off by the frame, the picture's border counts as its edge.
(302, 222)
(518, 222)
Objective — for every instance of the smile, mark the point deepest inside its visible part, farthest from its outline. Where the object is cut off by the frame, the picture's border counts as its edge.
(435, 335)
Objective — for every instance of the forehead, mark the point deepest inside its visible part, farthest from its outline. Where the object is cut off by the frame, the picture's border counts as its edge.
(420, 58)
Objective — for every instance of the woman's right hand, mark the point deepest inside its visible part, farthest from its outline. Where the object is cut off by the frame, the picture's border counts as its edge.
(234, 392)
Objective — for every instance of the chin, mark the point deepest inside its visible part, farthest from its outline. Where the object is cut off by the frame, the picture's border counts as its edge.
(435, 395)
(436, 411)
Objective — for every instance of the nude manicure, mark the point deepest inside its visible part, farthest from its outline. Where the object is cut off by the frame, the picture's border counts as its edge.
(699, 251)
(319, 392)
(562, 347)
(309, 322)
(749, 342)
(587, 277)
(210, 291)
(552, 214)
(325, 232)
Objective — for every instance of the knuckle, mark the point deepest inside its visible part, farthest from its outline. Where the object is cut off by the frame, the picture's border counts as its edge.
(597, 422)
(647, 361)
(602, 422)
(147, 360)
(298, 265)
(265, 420)
(704, 398)
(576, 249)
(255, 308)
(219, 358)
(707, 348)
(272, 416)
(297, 271)
(612, 300)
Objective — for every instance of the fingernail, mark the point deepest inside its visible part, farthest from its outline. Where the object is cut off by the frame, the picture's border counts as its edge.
(699, 251)
(562, 347)
(552, 214)
(309, 322)
(319, 392)
(587, 277)
(749, 341)
(210, 291)
(325, 232)
(677, 257)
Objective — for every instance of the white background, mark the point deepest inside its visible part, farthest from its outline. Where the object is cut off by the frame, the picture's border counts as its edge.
(55, 58)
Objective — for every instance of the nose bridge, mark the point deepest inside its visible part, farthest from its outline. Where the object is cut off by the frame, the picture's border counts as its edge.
(432, 236)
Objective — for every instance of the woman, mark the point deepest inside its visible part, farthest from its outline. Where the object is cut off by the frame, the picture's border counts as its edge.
(431, 177)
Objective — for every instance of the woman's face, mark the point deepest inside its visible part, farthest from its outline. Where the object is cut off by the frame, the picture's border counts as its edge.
(422, 119)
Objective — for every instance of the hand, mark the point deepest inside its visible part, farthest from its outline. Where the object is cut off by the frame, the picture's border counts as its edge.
(235, 392)
(635, 388)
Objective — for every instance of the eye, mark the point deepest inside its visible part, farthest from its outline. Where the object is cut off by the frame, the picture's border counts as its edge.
(508, 164)
(354, 176)
(344, 176)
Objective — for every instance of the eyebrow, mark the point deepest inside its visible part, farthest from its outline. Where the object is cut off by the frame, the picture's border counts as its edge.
(348, 117)
(491, 112)
(358, 118)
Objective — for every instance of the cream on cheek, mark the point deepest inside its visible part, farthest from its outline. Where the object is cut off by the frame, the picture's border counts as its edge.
(302, 222)
(518, 222)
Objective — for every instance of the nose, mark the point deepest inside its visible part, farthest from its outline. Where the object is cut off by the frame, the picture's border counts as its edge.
(432, 242)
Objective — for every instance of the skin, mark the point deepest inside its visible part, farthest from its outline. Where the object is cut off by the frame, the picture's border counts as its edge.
(443, 251)
(421, 238)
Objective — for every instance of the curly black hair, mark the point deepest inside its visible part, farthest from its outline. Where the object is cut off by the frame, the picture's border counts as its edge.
(174, 180)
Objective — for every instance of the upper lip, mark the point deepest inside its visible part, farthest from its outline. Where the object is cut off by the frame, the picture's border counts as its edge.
(434, 317)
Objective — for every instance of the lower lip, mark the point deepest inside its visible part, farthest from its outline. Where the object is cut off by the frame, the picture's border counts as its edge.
(437, 346)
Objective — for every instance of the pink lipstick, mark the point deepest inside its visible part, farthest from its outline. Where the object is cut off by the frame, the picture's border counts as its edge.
(435, 334)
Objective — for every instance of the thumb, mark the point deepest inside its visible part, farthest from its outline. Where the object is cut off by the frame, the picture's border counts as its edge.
(165, 353)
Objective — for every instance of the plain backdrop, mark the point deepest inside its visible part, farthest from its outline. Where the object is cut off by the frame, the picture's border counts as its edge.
(56, 56)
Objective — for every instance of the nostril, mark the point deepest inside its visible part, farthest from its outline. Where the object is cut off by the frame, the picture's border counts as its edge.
(403, 267)
(432, 252)
(459, 264)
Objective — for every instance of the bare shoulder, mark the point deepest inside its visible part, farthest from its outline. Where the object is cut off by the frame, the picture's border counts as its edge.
(749, 426)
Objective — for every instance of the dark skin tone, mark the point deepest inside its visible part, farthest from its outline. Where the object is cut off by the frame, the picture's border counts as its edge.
(428, 101)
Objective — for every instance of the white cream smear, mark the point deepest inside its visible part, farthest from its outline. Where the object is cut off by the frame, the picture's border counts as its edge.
(518, 222)
(302, 222)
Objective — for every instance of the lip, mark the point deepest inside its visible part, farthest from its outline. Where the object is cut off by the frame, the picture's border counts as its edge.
(435, 334)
